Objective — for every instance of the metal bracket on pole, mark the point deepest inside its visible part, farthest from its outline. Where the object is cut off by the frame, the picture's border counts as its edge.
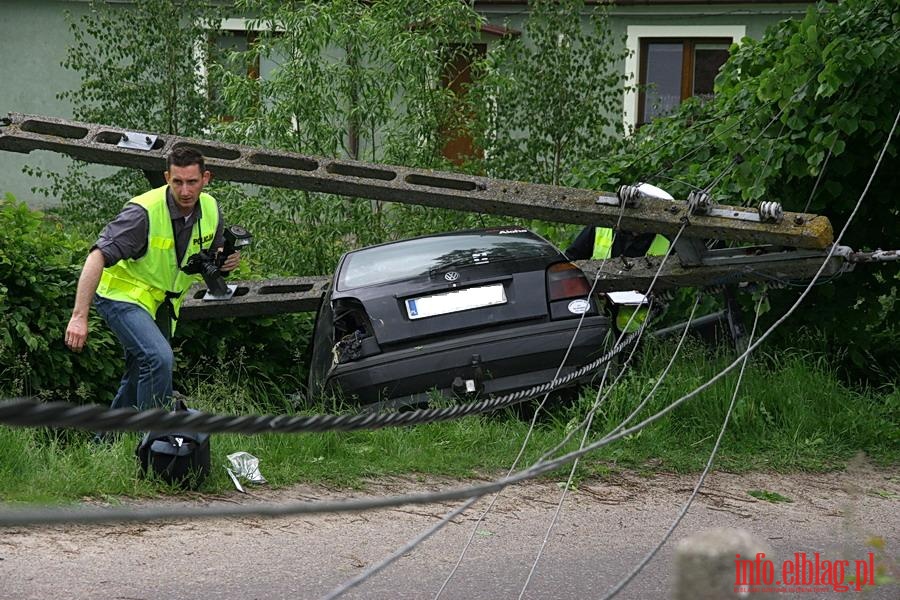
(137, 141)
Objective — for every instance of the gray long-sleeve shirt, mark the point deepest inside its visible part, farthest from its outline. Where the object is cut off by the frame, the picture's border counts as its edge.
(126, 236)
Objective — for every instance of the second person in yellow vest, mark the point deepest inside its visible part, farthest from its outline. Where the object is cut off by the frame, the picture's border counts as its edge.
(599, 243)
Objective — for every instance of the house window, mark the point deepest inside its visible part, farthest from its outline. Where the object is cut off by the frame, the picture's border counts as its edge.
(670, 63)
(460, 145)
(673, 70)
(221, 45)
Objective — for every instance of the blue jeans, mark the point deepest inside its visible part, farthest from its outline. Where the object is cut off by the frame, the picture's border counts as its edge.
(147, 382)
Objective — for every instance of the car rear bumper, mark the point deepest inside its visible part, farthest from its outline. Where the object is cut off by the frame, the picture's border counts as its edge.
(495, 362)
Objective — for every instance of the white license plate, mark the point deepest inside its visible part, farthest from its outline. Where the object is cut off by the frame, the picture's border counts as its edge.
(451, 302)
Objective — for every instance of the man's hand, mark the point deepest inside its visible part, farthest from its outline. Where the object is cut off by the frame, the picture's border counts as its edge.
(231, 263)
(76, 333)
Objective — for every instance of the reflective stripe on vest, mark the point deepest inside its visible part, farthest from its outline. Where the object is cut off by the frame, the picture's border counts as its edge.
(145, 281)
(603, 243)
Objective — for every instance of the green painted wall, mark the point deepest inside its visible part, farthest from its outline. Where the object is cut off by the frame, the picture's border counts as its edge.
(33, 41)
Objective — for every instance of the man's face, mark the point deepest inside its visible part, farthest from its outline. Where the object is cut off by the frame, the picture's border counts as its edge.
(186, 184)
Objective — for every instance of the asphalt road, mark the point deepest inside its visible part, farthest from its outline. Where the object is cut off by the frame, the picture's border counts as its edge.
(605, 527)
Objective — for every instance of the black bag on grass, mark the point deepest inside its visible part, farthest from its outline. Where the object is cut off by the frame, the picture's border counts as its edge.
(180, 458)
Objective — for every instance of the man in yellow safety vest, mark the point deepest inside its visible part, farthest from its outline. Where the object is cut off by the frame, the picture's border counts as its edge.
(599, 243)
(134, 275)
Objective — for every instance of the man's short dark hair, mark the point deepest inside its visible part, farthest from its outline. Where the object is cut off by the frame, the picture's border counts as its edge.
(185, 156)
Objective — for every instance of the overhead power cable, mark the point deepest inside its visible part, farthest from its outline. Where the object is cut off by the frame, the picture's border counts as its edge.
(522, 447)
(586, 423)
(28, 412)
(587, 418)
(751, 347)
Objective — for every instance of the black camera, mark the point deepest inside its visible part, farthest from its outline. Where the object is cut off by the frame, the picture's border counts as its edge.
(209, 263)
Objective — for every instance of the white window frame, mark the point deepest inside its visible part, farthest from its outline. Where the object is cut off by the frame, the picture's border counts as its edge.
(231, 24)
(634, 33)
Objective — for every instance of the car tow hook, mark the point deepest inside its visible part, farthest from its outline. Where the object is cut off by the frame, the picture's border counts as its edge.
(470, 386)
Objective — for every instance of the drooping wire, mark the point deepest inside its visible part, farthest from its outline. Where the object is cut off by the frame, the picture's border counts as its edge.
(413, 543)
(821, 173)
(587, 419)
(586, 423)
(687, 505)
(53, 516)
(20, 517)
(646, 399)
(534, 418)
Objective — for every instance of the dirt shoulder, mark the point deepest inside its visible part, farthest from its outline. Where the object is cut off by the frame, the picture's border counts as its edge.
(605, 527)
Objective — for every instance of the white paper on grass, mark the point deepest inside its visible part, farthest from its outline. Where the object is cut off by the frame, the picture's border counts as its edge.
(246, 466)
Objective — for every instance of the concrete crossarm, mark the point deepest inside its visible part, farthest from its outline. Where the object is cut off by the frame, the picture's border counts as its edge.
(301, 294)
(99, 144)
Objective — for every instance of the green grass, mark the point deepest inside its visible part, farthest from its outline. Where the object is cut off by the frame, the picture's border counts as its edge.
(792, 413)
(769, 496)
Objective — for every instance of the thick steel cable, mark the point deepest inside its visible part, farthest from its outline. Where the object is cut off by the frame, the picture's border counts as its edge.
(353, 582)
(712, 136)
(687, 505)
(586, 424)
(736, 124)
(448, 517)
(588, 418)
(24, 411)
(769, 156)
(734, 163)
(30, 516)
(565, 491)
(803, 295)
(412, 544)
(643, 402)
(27, 412)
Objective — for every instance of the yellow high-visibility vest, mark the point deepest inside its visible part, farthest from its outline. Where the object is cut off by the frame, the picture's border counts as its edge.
(603, 242)
(146, 280)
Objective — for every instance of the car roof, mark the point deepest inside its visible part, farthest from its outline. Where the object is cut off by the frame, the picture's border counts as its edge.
(512, 230)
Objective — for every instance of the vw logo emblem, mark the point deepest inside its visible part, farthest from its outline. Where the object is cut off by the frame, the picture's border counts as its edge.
(451, 275)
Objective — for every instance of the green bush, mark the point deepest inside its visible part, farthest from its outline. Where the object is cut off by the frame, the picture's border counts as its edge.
(39, 267)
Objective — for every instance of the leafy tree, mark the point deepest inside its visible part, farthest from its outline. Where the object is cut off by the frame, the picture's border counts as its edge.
(39, 260)
(140, 70)
(347, 79)
(551, 99)
(798, 117)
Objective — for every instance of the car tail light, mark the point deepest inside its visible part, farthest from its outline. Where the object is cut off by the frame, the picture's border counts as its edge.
(565, 280)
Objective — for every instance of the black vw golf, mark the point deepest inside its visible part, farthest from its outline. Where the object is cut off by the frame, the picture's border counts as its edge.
(463, 314)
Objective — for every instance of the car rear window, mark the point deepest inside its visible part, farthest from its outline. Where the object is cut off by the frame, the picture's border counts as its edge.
(415, 258)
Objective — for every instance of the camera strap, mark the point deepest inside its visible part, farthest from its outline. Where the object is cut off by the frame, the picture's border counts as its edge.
(165, 314)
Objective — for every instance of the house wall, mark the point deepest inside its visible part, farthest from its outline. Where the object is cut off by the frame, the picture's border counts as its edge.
(631, 22)
(34, 37)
